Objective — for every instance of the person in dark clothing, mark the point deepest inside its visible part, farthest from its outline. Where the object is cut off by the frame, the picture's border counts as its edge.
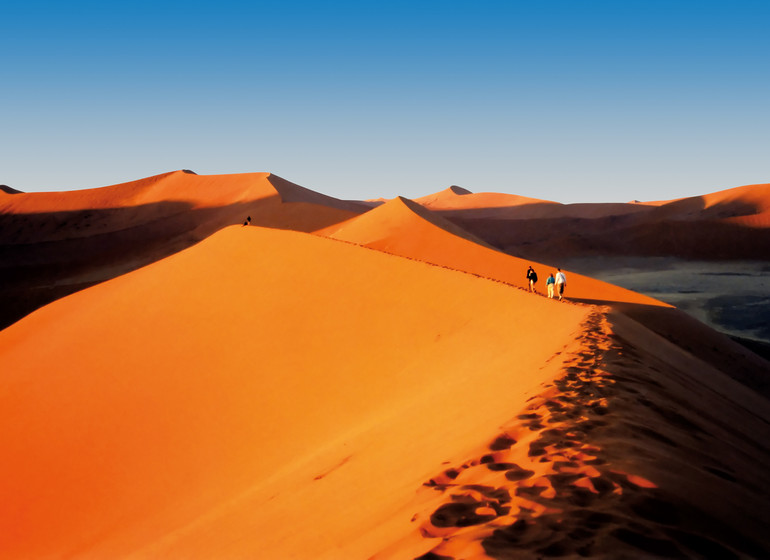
(532, 277)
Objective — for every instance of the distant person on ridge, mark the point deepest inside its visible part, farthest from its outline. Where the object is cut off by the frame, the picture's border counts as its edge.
(561, 282)
(549, 284)
(532, 277)
(248, 221)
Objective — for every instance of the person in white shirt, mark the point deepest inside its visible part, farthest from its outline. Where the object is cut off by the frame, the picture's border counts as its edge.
(561, 283)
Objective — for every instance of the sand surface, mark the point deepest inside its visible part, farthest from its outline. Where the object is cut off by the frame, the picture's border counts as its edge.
(226, 389)
(55, 243)
(402, 227)
(348, 380)
(727, 225)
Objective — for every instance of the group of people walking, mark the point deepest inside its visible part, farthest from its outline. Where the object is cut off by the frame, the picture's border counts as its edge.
(554, 284)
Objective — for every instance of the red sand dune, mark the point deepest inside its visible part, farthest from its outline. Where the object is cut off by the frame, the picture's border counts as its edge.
(55, 243)
(731, 224)
(402, 227)
(748, 206)
(456, 201)
(273, 394)
(253, 369)
(486, 204)
(270, 200)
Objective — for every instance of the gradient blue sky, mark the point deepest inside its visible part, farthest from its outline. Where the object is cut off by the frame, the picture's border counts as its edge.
(574, 101)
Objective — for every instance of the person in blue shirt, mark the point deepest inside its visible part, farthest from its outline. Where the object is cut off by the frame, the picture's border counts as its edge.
(549, 283)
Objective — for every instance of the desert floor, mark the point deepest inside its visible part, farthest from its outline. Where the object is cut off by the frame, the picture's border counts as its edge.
(731, 297)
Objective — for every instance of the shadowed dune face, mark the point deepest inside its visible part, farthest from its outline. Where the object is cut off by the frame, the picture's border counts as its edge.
(285, 206)
(552, 239)
(290, 192)
(53, 244)
(732, 224)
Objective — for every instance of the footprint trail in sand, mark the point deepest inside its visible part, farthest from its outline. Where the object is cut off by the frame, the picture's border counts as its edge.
(545, 488)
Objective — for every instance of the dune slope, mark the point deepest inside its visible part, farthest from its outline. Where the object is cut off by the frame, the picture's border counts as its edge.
(637, 450)
(55, 243)
(269, 393)
(236, 390)
(731, 224)
(405, 228)
(385, 388)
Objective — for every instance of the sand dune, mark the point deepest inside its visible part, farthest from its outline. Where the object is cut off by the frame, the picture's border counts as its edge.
(624, 455)
(748, 206)
(731, 224)
(459, 202)
(55, 243)
(383, 388)
(273, 394)
(224, 393)
(486, 204)
(402, 227)
(270, 200)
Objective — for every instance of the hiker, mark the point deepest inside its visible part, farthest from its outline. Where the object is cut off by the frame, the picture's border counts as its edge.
(549, 284)
(248, 221)
(532, 277)
(561, 282)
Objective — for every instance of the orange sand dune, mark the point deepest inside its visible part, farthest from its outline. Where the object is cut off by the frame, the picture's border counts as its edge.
(636, 450)
(459, 202)
(262, 394)
(273, 394)
(52, 244)
(162, 197)
(492, 204)
(405, 228)
(748, 205)
(731, 224)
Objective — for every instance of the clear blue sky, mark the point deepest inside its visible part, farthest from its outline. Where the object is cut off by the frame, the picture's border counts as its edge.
(571, 101)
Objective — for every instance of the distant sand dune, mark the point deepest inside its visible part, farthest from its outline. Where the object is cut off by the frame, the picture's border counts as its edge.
(731, 224)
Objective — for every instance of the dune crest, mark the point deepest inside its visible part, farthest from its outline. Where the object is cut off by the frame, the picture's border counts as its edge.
(556, 481)
(457, 199)
(748, 205)
(54, 243)
(405, 228)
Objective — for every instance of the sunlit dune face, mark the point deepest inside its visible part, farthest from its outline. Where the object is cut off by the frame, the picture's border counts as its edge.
(228, 369)
(403, 228)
